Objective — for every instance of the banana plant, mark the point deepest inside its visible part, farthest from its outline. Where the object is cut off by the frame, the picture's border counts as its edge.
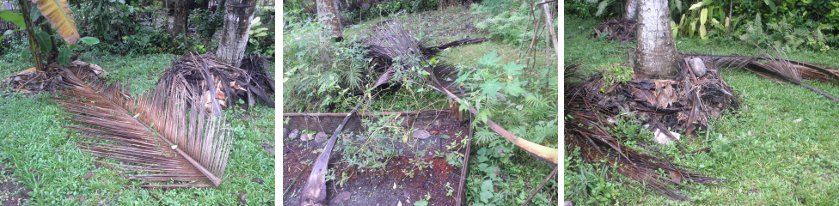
(60, 18)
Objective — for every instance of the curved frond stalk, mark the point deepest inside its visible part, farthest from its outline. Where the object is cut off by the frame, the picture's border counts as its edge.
(60, 17)
(158, 137)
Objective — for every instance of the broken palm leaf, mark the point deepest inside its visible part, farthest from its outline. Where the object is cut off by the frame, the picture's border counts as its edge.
(587, 129)
(58, 13)
(156, 137)
(777, 69)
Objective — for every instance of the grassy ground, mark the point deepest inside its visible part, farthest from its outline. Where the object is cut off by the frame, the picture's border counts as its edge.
(778, 149)
(495, 173)
(44, 157)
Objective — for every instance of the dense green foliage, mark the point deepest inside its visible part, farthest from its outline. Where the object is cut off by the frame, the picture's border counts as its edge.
(789, 24)
(775, 150)
(320, 76)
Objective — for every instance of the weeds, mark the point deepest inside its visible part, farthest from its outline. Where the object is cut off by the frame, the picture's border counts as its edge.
(373, 150)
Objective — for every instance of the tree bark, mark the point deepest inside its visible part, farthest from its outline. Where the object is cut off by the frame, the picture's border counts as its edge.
(631, 10)
(178, 16)
(30, 33)
(550, 25)
(234, 37)
(655, 55)
(329, 19)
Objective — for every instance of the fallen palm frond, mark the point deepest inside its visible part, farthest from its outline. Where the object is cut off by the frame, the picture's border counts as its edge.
(777, 69)
(219, 84)
(588, 129)
(668, 105)
(319, 114)
(157, 137)
(391, 44)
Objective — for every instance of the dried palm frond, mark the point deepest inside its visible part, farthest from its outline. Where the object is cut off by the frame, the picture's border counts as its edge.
(220, 84)
(156, 137)
(777, 69)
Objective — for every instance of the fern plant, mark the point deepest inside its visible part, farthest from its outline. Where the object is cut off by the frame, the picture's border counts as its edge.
(517, 95)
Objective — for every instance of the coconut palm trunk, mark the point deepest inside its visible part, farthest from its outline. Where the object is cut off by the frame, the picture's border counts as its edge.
(234, 37)
(655, 55)
(178, 16)
(631, 10)
(328, 17)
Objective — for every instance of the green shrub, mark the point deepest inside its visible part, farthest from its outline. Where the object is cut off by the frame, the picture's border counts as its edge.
(509, 22)
(321, 76)
(261, 40)
(785, 35)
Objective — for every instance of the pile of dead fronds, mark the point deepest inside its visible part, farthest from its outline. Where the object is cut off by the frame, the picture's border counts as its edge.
(394, 49)
(667, 107)
(218, 84)
(777, 69)
(616, 29)
(33, 81)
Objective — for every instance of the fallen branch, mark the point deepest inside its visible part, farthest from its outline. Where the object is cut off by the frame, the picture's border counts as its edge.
(545, 181)
(465, 170)
(546, 153)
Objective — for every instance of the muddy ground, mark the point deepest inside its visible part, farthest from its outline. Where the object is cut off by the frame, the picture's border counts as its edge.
(389, 186)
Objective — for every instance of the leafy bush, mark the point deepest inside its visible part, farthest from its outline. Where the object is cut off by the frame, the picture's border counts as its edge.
(373, 149)
(508, 21)
(206, 23)
(107, 20)
(363, 10)
(523, 100)
(784, 35)
(261, 38)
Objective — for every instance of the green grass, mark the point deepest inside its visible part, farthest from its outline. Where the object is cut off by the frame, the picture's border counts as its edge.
(777, 149)
(45, 156)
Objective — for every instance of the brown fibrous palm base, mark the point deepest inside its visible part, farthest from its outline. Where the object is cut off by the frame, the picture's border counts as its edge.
(681, 105)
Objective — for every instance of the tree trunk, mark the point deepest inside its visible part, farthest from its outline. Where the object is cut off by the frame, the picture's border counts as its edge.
(655, 56)
(30, 33)
(631, 10)
(328, 17)
(178, 16)
(550, 25)
(234, 37)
